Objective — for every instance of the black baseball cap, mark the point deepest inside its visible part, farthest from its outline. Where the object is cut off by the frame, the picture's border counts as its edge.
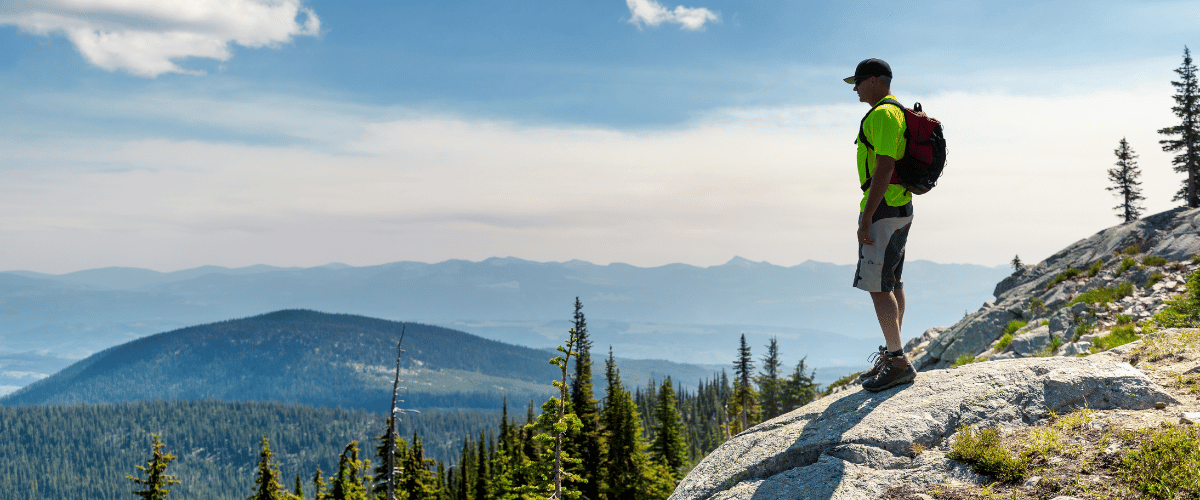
(870, 67)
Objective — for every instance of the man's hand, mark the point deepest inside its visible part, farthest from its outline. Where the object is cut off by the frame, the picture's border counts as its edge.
(864, 232)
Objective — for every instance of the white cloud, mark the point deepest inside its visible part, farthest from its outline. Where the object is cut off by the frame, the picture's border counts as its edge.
(146, 37)
(652, 13)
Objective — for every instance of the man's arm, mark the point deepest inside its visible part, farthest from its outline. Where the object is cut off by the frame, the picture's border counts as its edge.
(884, 165)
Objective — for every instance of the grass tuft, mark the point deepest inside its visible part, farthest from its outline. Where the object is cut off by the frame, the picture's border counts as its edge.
(982, 451)
(1104, 294)
(1063, 276)
(1167, 465)
(1125, 266)
(1154, 278)
(1153, 260)
(1095, 268)
(1119, 336)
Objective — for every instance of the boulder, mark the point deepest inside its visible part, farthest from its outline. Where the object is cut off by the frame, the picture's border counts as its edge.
(972, 335)
(1032, 342)
(857, 444)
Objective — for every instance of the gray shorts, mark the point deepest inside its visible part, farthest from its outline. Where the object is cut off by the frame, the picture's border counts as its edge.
(880, 265)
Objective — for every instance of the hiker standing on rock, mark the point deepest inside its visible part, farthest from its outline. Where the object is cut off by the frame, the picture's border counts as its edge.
(885, 215)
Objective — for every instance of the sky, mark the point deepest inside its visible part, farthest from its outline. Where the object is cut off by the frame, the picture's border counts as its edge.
(169, 134)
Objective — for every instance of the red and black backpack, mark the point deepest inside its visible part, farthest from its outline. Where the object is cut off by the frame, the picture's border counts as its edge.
(924, 155)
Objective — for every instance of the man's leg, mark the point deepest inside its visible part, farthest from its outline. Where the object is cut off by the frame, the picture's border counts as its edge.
(899, 293)
(889, 311)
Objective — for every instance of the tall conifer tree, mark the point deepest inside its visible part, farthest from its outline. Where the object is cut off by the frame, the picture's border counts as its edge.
(770, 385)
(800, 389)
(157, 482)
(668, 447)
(743, 409)
(1185, 137)
(1125, 183)
(347, 485)
(626, 457)
(266, 481)
(587, 444)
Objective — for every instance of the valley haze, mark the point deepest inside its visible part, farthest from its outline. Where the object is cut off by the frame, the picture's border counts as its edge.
(677, 312)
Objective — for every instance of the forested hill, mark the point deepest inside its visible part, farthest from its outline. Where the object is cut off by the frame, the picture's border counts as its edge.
(301, 356)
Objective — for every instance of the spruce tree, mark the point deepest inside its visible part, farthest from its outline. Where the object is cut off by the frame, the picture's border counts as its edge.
(1017, 266)
(1185, 137)
(416, 480)
(399, 450)
(800, 387)
(1125, 183)
(318, 485)
(626, 459)
(347, 485)
(553, 425)
(668, 447)
(482, 475)
(157, 482)
(586, 444)
(770, 385)
(266, 481)
(743, 407)
(299, 490)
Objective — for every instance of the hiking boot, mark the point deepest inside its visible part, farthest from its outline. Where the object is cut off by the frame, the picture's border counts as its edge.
(895, 370)
(877, 358)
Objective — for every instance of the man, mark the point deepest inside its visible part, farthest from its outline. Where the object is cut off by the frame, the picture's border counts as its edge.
(884, 219)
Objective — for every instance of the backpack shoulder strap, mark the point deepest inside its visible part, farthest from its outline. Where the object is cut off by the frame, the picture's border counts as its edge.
(862, 137)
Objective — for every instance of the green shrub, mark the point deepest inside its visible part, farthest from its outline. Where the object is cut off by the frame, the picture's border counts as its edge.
(965, 359)
(1124, 319)
(1153, 260)
(982, 451)
(1004, 341)
(840, 382)
(1120, 335)
(1081, 329)
(1125, 265)
(1167, 465)
(1037, 305)
(1131, 250)
(1063, 276)
(1196, 259)
(1095, 268)
(1104, 295)
(1182, 311)
(1154, 278)
(1055, 343)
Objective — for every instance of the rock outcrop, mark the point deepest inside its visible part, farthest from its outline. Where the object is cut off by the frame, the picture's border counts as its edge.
(1040, 297)
(856, 444)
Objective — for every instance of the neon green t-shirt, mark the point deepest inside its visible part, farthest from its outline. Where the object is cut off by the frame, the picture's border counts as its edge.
(884, 128)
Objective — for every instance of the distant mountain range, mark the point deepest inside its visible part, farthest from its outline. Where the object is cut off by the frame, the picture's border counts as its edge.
(318, 359)
(676, 312)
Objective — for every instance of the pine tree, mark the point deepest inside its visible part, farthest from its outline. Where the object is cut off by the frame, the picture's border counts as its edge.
(416, 480)
(668, 447)
(1125, 183)
(318, 485)
(266, 481)
(347, 485)
(554, 423)
(743, 408)
(770, 385)
(1018, 267)
(157, 483)
(299, 490)
(399, 450)
(482, 475)
(800, 387)
(587, 444)
(625, 474)
(1185, 137)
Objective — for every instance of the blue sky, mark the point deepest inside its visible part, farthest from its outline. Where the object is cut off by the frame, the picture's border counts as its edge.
(170, 134)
